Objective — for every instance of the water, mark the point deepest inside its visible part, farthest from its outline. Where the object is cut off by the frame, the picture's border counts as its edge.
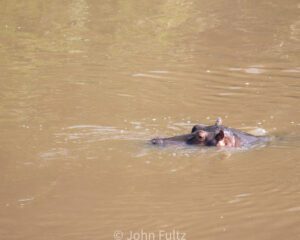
(86, 84)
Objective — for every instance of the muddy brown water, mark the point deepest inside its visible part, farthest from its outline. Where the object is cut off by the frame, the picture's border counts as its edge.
(85, 84)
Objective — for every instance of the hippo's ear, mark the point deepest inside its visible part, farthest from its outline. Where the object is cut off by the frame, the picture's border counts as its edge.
(220, 136)
(218, 121)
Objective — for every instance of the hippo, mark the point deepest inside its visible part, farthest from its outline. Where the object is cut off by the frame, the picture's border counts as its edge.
(216, 135)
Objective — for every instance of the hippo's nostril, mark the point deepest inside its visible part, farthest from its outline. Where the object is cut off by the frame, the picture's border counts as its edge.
(157, 141)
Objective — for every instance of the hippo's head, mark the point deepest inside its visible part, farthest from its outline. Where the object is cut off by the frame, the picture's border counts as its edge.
(206, 137)
(214, 135)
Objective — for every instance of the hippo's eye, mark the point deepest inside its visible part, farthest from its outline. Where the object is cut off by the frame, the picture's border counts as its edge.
(201, 135)
(220, 135)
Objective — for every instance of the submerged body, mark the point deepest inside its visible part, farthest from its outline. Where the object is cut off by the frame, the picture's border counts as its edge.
(215, 135)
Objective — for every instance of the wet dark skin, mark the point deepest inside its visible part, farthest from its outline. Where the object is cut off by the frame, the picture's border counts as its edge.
(215, 135)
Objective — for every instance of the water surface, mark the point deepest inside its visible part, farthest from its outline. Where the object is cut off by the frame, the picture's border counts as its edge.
(85, 84)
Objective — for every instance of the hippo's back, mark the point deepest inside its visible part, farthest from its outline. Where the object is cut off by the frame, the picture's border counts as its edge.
(248, 140)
